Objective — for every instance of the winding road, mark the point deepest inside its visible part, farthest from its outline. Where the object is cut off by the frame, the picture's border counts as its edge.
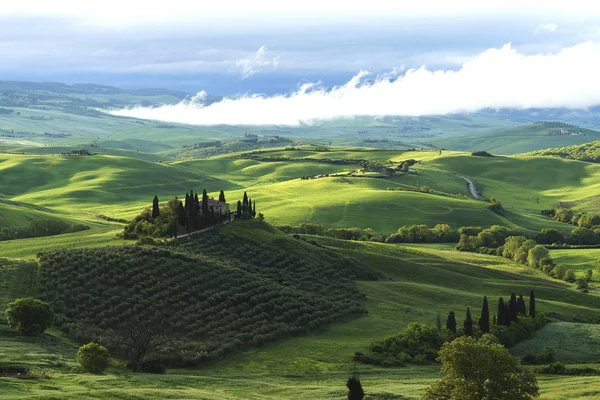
(472, 189)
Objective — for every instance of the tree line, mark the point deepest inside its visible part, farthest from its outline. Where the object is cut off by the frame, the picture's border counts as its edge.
(187, 216)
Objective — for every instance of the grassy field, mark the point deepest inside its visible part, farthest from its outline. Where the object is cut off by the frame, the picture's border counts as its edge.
(517, 140)
(421, 281)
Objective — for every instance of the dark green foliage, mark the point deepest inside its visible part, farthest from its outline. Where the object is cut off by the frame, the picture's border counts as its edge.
(29, 316)
(155, 208)
(92, 357)
(40, 228)
(181, 214)
(216, 294)
(496, 207)
(484, 319)
(550, 236)
(503, 318)
(355, 390)
(546, 357)
(418, 343)
(559, 368)
(245, 203)
(152, 365)
(468, 324)
(513, 309)
(481, 154)
(441, 233)
(451, 322)
(521, 309)
(239, 210)
(221, 196)
(522, 329)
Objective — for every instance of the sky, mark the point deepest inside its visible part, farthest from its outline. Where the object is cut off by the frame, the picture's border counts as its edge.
(290, 54)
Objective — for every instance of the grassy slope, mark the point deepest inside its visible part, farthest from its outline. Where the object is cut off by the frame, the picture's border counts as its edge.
(317, 365)
(516, 140)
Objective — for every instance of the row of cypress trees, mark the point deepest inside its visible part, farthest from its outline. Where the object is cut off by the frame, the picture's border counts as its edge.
(195, 215)
(507, 313)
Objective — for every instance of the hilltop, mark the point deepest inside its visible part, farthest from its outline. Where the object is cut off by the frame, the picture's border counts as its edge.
(589, 152)
(521, 139)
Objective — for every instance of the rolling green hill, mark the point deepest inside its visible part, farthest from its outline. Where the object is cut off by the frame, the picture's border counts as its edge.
(420, 281)
(584, 152)
(518, 139)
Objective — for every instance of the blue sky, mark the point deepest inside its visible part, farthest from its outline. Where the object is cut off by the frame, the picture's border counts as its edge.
(269, 47)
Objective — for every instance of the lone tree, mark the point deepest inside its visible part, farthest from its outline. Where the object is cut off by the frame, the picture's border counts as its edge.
(29, 316)
(484, 319)
(155, 208)
(532, 304)
(141, 337)
(92, 357)
(355, 390)
(451, 322)
(481, 369)
(222, 197)
(468, 324)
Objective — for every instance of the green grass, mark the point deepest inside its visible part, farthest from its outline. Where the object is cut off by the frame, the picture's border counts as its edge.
(573, 342)
(517, 140)
(579, 260)
(422, 280)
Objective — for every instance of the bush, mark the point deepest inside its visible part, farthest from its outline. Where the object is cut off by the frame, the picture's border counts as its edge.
(152, 366)
(570, 276)
(582, 283)
(92, 357)
(29, 316)
(481, 154)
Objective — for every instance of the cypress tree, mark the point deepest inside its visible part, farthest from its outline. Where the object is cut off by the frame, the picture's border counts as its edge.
(249, 207)
(484, 319)
(238, 214)
(501, 312)
(245, 203)
(521, 305)
(254, 209)
(532, 304)
(181, 216)
(204, 207)
(355, 390)
(187, 203)
(513, 310)
(155, 209)
(222, 197)
(451, 322)
(494, 320)
(468, 324)
(196, 205)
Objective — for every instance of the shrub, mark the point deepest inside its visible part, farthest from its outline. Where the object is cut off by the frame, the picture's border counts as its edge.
(152, 366)
(570, 276)
(29, 316)
(582, 283)
(92, 357)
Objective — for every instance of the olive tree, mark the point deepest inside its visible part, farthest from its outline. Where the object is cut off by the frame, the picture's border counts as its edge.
(481, 369)
(29, 316)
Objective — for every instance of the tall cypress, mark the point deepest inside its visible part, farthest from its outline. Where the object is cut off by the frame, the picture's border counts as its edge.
(254, 208)
(222, 197)
(238, 214)
(204, 207)
(521, 305)
(451, 322)
(245, 203)
(196, 205)
(468, 324)
(181, 216)
(494, 321)
(155, 209)
(513, 310)
(532, 304)
(501, 312)
(484, 319)
(249, 210)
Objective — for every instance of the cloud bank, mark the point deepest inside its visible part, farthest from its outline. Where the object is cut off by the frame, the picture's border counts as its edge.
(496, 78)
(256, 63)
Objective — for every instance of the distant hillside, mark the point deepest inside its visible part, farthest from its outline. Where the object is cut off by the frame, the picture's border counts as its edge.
(589, 152)
(522, 139)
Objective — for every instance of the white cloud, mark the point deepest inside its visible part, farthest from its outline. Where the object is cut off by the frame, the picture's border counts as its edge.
(542, 28)
(256, 63)
(493, 79)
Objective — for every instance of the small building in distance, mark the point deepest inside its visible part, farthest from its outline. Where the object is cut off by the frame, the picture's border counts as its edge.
(218, 207)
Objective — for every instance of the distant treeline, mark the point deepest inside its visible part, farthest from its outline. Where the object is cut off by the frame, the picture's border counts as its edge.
(555, 124)
(39, 228)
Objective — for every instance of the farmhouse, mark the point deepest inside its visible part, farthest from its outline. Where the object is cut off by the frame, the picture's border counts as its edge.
(217, 207)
